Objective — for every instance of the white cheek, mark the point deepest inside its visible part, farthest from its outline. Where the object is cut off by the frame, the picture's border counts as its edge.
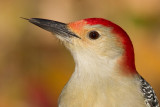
(89, 61)
(106, 44)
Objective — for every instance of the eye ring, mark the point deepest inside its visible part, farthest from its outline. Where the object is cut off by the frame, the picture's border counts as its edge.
(94, 35)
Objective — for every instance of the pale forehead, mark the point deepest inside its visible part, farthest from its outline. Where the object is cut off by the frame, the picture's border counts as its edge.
(83, 26)
(78, 25)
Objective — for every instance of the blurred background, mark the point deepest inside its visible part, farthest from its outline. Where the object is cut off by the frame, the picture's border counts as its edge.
(34, 66)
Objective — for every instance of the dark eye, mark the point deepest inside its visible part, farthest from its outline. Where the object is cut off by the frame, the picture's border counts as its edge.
(94, 35)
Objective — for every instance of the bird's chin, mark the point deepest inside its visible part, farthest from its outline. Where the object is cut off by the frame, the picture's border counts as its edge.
(64, 40)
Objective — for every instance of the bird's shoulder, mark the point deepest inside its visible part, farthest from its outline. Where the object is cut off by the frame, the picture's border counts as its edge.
(150, 97)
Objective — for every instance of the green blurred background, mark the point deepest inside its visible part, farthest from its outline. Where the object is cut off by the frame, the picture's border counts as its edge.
(34, 66)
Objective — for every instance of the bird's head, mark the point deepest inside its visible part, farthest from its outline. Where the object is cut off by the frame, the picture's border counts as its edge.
(93, 39)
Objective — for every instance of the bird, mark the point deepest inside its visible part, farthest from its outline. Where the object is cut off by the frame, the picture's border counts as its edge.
(105, 74)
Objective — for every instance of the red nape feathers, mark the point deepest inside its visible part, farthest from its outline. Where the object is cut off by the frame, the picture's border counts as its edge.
(128, 58)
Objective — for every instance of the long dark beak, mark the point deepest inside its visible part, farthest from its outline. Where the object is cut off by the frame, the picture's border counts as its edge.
(53, 27)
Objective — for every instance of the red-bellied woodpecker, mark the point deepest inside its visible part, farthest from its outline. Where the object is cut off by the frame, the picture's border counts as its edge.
(105, 73)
